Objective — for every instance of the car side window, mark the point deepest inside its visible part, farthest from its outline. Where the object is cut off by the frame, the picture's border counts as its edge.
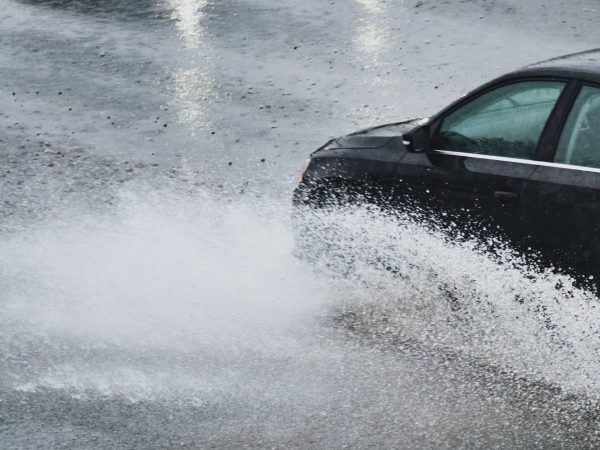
(507, 121)
(580, 140)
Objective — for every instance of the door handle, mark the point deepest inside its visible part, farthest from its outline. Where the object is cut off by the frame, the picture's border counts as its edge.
(505, 195)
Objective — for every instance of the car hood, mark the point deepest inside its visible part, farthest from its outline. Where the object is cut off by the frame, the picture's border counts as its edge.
(372, 138)
(391, 129)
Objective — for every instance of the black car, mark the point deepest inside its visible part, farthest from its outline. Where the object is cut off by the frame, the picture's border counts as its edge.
(520, 154)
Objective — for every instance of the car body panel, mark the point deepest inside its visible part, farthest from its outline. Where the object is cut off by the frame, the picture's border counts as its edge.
(565, 222)
(485, 191)
(356, 157)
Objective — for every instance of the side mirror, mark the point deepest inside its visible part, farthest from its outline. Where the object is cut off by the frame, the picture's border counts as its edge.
(418, 140)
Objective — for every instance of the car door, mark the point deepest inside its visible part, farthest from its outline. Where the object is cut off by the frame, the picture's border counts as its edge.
(564, 217)
(484, 149)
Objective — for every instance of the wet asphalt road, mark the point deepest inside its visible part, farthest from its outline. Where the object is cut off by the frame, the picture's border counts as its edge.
(150, 295)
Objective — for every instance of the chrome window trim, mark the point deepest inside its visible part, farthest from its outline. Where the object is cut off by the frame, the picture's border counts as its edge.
(521, 161)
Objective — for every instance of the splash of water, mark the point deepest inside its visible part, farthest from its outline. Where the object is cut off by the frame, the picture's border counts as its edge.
(408, 281)
(112, 304)
(89, 302)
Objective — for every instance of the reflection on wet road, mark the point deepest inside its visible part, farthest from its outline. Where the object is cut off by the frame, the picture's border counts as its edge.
(188, 16)
(151, 297)
(372, 36)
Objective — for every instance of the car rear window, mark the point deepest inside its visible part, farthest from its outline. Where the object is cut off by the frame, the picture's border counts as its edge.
(580, 140)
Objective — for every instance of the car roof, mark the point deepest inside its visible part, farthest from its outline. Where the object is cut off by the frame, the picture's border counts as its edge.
(583, 65)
